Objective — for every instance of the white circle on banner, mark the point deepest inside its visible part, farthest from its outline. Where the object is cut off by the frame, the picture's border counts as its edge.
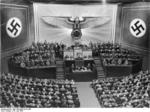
(137, 28)
(14, 27)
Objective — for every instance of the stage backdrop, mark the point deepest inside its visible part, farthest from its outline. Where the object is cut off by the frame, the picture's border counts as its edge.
(102, 32)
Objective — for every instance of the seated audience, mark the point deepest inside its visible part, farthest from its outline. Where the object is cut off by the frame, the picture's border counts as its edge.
(129, 91)
(38, 55)
(19, 91)
(114, 54)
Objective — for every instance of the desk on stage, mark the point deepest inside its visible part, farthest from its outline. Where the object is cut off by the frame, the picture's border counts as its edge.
(136, 65)
(35, 71)
(68, 63)
(80, 75)
(117, 70)
(123, 70)
(42, 71)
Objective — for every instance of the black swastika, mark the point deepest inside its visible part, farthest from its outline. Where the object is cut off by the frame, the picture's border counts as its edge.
(137, 27)
(14, 27)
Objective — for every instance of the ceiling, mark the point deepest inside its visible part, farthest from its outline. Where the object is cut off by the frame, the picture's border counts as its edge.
(90, 1)
(74, 1)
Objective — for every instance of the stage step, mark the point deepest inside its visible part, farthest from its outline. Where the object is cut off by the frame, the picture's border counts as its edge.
(100, 70)
(60, 69)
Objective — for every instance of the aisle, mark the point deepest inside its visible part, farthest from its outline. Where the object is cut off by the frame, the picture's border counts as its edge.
(86, 95)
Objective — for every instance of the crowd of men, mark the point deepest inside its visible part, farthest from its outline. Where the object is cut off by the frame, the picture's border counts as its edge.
(19, 91)
(129, 91)
(114, 54)
(44, 54)
(84, 68)
(39, 54)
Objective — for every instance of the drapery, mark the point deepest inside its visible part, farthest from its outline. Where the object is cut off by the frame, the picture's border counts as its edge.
(137, 14)
(8, 12)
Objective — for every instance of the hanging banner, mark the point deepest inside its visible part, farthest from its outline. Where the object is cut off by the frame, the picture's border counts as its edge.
(135, 27)
(14, 27)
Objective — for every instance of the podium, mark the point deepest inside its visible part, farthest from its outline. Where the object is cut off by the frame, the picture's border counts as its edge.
(77, 53)
(79, 63)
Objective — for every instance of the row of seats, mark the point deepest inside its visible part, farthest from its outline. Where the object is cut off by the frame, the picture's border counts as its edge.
(115, 61)
(114, 54)
(43, 54)
(38, 54)
(19, 91)
(129, 91)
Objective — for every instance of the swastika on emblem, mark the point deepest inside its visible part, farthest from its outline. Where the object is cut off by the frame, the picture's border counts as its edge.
(14, 27)
(137, 28)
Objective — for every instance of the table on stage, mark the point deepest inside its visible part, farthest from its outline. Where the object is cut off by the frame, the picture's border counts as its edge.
(68, 63)
(80, 75)
(117, 70)
(136, 65)
(35, 71)
(123, 70)
(42, 71)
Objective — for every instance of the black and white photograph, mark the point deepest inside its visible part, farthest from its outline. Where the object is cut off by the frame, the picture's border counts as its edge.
(74, 55)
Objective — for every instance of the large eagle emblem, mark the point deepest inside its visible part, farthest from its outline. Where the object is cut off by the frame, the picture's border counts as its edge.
(76, 23)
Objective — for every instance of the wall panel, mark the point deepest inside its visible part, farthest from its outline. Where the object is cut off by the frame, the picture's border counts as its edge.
(9, 44)
(101, 32)
(128, 13)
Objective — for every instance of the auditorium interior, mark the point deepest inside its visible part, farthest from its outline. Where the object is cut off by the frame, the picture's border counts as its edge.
(75, 53)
